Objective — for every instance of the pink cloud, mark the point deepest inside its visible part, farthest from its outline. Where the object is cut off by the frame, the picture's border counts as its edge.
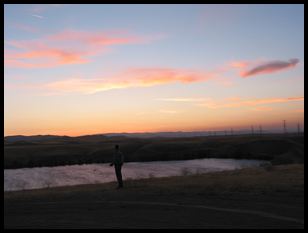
(21, 64)
(95, 38)
(42, 56)
(66, 47)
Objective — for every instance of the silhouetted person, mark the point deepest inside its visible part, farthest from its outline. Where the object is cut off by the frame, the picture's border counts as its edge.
(118, 160)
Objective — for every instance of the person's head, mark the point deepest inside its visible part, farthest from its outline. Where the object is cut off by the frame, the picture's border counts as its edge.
(116, 147)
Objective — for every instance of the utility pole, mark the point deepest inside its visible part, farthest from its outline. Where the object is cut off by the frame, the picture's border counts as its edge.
(252, 131)
(284, 126)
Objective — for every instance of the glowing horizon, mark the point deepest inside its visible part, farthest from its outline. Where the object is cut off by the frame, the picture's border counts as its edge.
(120, 68)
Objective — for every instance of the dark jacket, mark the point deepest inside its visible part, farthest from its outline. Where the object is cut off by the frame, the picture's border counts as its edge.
(118, 157)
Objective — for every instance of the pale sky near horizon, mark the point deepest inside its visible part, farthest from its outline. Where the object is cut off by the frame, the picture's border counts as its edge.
(75, 69)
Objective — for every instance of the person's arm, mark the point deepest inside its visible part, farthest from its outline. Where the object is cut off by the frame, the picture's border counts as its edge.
(111, 164)
(122, 158)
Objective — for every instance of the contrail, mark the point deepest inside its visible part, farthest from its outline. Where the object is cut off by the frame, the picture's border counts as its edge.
(38, 16)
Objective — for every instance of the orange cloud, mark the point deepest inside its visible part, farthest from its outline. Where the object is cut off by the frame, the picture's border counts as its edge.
(270, 67)
(262, 109)
(150, 76)
(272, 100)
(239, 64)
(234, 102)
(137, 77)
(144, 77)
(299, 110)
(182, 99)
(240, 103)
(67, 47)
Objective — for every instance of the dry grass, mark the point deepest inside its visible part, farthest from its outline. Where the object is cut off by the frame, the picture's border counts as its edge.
(281, 179)
(279, 150)
(278, 191)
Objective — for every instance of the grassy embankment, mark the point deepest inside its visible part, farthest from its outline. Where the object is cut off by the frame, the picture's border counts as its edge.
(278, 149)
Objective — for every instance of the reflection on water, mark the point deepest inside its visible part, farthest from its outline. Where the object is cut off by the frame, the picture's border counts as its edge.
(34, 178)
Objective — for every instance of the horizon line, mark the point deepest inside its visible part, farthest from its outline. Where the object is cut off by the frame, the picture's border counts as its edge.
(256, 130)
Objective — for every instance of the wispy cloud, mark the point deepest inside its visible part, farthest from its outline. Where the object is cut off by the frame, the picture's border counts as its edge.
(38, 10)
(234, 102)
(239, 64)
(262, 109)
(138, 77)
(182, 99)
(134, 77)
(246, 102)
(95, 38)
(270, 67)
(39, 55)
(66, 47)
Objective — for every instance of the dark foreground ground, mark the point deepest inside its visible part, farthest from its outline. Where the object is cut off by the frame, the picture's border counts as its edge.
(249, 198)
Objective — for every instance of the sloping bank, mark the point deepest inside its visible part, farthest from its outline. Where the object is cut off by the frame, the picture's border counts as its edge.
(277, 149)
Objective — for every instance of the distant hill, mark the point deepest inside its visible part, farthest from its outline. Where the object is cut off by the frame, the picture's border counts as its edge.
(145, 135)
(99, 137)
(177, 134)
(35, 138)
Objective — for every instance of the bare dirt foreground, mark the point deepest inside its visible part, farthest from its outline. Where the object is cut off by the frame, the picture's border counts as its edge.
(248, 198)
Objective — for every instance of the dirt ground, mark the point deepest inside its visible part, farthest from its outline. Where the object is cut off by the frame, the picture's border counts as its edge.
(271, 197)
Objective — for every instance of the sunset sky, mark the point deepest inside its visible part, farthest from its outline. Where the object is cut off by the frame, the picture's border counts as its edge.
(88, 69)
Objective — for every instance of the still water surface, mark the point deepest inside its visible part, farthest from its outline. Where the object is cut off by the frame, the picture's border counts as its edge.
(43, 177)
